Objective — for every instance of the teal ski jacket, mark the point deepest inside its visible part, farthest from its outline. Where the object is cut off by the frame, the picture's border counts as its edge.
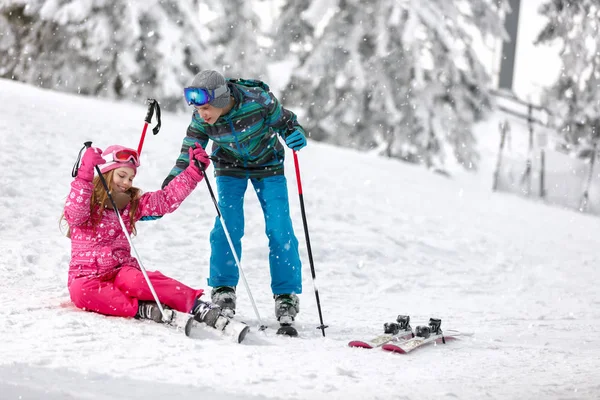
(245, 142)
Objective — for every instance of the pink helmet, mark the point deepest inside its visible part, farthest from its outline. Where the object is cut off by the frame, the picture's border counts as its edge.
(119, 156)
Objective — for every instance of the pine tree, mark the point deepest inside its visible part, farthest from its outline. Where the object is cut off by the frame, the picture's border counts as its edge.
(398, 76)
(291, 33)
(574, 99)
(234, 34)
(103, 48)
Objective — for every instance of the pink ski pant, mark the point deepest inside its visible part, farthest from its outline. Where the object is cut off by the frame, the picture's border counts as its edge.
(119, 296)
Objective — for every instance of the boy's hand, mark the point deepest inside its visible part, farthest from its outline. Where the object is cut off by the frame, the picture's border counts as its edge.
(296, 140)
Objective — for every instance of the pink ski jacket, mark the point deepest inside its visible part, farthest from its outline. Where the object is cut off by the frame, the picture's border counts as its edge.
(101, 251)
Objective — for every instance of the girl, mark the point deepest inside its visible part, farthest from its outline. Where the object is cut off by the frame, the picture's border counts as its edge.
(103, 276)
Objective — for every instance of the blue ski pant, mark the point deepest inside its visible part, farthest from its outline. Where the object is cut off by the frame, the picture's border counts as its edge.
(284, 259)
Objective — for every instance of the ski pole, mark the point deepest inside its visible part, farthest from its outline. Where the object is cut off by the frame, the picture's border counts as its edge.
(310, 258)
(152, 105)
(235, 256)
(114, 205)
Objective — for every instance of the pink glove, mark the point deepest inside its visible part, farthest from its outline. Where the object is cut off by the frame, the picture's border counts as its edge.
(91, 158)
(198, 153)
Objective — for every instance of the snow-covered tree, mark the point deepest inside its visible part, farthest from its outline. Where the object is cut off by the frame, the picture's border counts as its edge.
(574, 99)
(291, 32)
(104, 48)
(399, 75)
(233, 33)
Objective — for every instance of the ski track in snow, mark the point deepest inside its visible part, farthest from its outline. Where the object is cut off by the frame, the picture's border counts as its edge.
(387, 238)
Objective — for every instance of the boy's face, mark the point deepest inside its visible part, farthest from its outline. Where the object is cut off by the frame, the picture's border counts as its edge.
(208, 113)
(122, 179)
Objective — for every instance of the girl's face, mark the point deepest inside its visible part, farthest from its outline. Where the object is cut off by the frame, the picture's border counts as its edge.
(122, 179)
(208, 113)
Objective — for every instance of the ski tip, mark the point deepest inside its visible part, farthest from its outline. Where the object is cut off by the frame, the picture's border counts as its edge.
(287, 330)
(243, 333)
(188, 327)
(393, 348)
(360, 344)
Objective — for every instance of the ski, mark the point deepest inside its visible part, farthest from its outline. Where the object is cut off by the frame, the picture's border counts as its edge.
(424, 335)
(183, 321)
(392, 331)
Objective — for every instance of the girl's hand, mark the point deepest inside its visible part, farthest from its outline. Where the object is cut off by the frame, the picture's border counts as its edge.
(197, 153)
(91, 158)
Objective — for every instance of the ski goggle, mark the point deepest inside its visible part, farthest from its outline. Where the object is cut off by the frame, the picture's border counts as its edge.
(199, 97)
(124, 156)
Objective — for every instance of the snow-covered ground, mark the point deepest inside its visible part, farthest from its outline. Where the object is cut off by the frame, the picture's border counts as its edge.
(388, 238)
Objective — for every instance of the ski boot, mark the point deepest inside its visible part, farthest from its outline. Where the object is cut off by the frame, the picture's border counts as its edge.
(212, 315)
(224, 297)
(206, 312)
(287, 307)
(150, 310)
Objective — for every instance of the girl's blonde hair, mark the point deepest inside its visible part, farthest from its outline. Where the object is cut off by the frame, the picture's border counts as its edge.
(100, 201)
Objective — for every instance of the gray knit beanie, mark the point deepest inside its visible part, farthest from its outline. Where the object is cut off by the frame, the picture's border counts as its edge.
(211, 80)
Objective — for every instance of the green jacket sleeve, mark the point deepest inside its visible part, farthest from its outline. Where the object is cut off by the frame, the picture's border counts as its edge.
(280, 119)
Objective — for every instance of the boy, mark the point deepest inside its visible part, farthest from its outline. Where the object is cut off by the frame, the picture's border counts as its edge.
(243, 119)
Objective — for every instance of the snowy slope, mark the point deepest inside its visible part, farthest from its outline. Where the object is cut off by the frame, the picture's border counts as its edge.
(387, 239)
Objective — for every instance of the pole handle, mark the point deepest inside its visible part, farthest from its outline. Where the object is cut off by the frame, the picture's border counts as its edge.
(150, 112)
(75, 169)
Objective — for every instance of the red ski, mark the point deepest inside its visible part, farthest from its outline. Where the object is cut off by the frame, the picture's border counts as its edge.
(424, 335)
